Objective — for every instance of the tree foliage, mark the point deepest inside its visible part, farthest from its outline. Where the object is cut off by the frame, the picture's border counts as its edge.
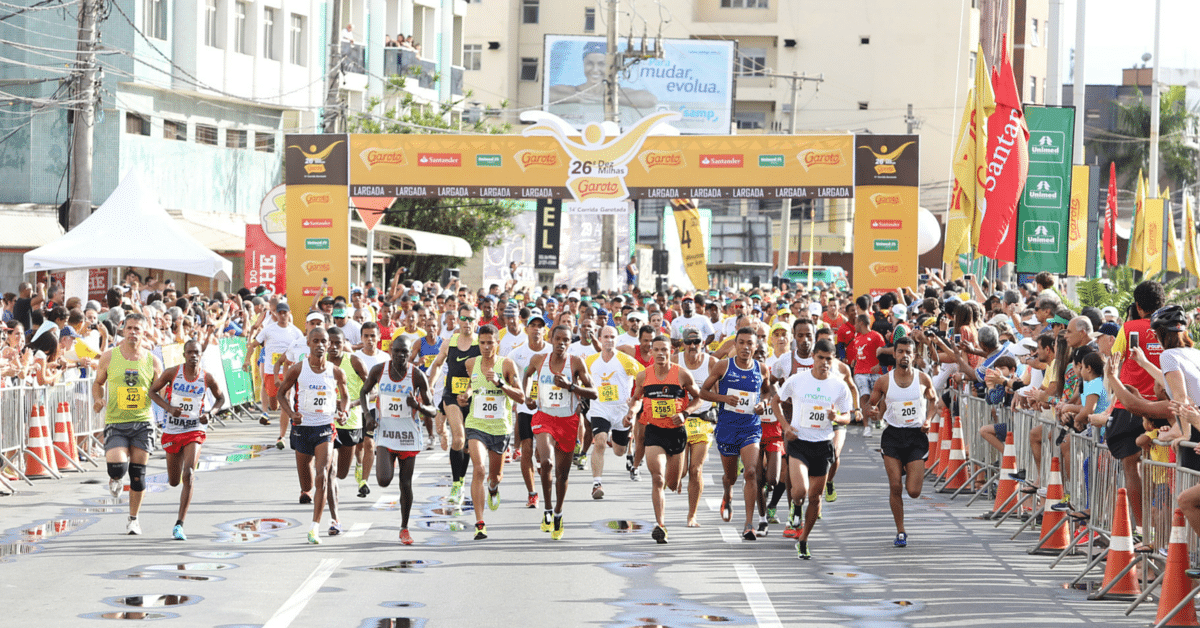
(1179, 160)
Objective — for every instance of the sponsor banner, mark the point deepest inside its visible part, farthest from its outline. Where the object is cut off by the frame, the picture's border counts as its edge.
(272, 215)
(1153, 236)
(266, 262)
(97, 284)
(885, 239)
(691, 242)
(239, 388)
(1077, 225)
(886, 160)
(694, 78)
(549, 228)
(316, 160)
(616, 208)
(541, 166)
(318, 243)
(1046, 215)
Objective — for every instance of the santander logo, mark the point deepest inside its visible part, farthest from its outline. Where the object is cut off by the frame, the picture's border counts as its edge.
(440, 160)
(721, 161)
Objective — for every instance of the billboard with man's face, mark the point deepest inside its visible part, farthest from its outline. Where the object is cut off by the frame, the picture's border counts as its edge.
(694, 78)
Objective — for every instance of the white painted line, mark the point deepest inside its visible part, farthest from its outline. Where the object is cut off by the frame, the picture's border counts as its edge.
(358, 529)
(437, 457)
(416, 474)
(714, 504)
(729, 536)
(384, 502)
(292, 607)
(756, 595)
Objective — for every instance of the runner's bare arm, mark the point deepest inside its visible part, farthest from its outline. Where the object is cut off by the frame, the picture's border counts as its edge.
(289, 381)
(709, 391)
(510, 384)
(343, 392)
(160, 382)
(218, 395)
(689, 384)
(101, 378)
(421, 386)
(579, 373)
(635, 397)
(877, 395)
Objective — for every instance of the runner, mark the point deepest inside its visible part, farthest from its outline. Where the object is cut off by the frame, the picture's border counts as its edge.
(316, 382)
(184, 431)
(844, 371)
(275, 337)
(739, 384)
(296, 353)
(817, 401)
(556, 421)
(521, 357)
(613, 373)
(364, 453)
(461, 347)
(798, 359)
(672, 394)
(587, 346)
(350, 435)
(403, 392)
(489, 423)
(424, 354)
(699, 424)
(908, 407)
(642, 353)
(127, 371)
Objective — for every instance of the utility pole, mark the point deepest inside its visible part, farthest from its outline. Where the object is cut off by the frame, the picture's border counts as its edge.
(84, 117)
(612, 113)
(785, 250)
(333, 108)
(1053, 54)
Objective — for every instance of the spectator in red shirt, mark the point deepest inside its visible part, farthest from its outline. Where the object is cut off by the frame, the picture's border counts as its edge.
(846, 333)
(864, 352)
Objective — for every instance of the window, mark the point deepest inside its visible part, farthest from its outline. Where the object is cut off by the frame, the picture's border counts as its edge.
(297, 40)
(206, 134)
(529, 68)
(264, 142)
(235, 139)
(174, 130)
(1033, 89)
(751, 62)
(472, 56)
(743, 4)
(240, 39)
(863, 105)
(269, 33)
(529, 11)
(589, 20)
(137, 124)
(749, 120)
(1034, 37)
(154, 19)
(210, 24)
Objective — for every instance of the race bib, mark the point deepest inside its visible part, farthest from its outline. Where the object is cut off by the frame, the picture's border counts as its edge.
(275, 359)
(533, 390)
(607, 392)
(386, 345)
(664, 408)
(552, 397)
(459, 385)
(768, 415)
(908, 413)
(428, 361)
(746, 401)
(697, 427)
(131, 398)
(487, 407)
(393, 407)
(812, 417)
(317, 402)
(189, 407)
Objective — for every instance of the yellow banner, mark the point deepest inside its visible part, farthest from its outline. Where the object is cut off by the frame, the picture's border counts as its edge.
(1078, 222)
(318, 244)
(885, 238)
(1172, 243)
(1137, 230)
(1152, 237)
(1190, 257)
(691, 241)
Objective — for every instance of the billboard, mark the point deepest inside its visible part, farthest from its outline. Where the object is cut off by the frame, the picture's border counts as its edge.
(887, 173)
(318, 217)
(1044, 216)
(694, 78)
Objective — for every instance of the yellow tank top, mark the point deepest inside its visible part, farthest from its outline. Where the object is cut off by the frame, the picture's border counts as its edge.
(129, 388)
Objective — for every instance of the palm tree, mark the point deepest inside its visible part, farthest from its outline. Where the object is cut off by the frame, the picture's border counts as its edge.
(1130, 149)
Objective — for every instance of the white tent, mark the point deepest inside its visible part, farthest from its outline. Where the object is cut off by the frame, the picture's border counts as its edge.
(129, 229)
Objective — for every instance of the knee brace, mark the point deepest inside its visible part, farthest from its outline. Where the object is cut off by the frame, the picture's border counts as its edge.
(137, 477)
(116, 470)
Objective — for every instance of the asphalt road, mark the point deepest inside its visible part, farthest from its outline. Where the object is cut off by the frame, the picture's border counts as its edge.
(67, 562)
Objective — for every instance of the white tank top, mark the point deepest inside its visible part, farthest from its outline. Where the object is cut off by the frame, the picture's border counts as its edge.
(188, 396)
(700, 375)
(316, 398)
(553, 400)
(397, 427)
(905, 406)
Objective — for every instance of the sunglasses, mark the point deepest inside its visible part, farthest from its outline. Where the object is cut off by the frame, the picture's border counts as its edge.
(466, 318)
(694, 341)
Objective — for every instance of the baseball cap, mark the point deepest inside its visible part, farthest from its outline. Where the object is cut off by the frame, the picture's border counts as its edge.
(573, 295)
(1110, 311)
(1110, 329)
(339, 312)
(636, 314)
(417, 286)
(283, 307)
(900, 311)
(552, 300)
(193, 290)
(510, 311)
(1025, 347)
(688, 297)
(536, 317)
(356, 290)
(814, 309)
(314, 316)
(67, 332)
(1032, 321)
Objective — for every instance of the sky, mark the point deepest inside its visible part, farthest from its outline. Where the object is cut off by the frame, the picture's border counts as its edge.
(1119, 32)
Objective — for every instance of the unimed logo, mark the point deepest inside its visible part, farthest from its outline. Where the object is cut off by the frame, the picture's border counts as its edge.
(316, 244)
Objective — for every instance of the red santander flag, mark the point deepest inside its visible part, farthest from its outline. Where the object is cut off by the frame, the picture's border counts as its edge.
(1110, 218)
(1007, 165)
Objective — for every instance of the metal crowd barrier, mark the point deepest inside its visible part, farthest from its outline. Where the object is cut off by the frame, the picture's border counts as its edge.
(982, 458)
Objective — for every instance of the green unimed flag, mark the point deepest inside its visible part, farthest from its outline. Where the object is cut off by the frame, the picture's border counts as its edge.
(1044, 215)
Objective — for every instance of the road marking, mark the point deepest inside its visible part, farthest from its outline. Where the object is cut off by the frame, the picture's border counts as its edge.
(358, 529)
(384, 502)
(729, 536)
(292, 607)
(437, 457)
(714, 504)
(756, 595)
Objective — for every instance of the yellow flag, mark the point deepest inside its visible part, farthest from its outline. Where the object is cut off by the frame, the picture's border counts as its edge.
(962, 212)
(1137, 230)
(984, 106)
(1152, 236)
(1173, 263)
(1191, 257)
(691, 241)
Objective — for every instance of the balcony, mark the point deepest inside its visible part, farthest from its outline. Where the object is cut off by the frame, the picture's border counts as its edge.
(354, 58)
(402, 62)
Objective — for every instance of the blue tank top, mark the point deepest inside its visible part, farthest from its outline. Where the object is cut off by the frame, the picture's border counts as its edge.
(429, 352)
(736, 379)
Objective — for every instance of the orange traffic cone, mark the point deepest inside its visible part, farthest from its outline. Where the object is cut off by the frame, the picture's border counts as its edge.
(1055, 538)
(956, 470)
(73, 451)
(934, 448)
(1007, 486)
(1176, 585)
(37, 446)
(945, 433)
(62, 443)
(1120, 556)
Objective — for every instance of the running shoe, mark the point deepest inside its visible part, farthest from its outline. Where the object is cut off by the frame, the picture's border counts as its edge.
(335, 528)
(115, 487)
(557, 534)
(629, 463)
(532, 501)
(305, 498)
(659, 535)
(493, 498)
(177, 533)
(547, 522)
(1062, 506)
(802, 550)
(581, 461)
(830, 492)
(597, 491)
(456, 495)
(1018, 476)
(867, 431)
(748, 534)
(480, 531)
(762, 528)
(635, 475)
(405, 537)
(901, 540)
(133, 527)
(363, 490)
(726, 509)
(313, 539)
(772, 516)
(279, 443)
(264, 419)
(791, 532)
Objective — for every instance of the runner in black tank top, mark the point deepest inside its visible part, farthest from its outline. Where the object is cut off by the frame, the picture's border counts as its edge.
(458, 380)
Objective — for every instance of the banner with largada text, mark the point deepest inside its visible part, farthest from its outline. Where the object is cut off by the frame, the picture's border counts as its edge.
(886, 175)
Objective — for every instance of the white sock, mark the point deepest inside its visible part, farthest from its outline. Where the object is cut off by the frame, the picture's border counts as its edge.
(316, 526)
